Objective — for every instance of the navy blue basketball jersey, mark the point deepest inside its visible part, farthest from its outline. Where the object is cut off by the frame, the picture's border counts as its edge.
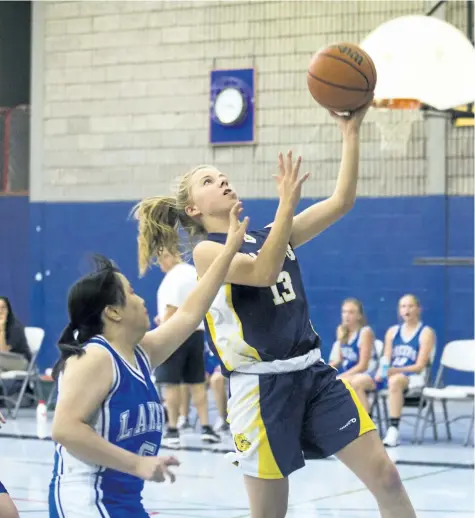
(131, 417)
(247, 324)
(406, 351)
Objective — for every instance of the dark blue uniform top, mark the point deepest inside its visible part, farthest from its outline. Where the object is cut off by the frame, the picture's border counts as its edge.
(246, 324)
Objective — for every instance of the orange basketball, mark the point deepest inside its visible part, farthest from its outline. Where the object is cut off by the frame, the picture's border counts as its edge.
(341, 77)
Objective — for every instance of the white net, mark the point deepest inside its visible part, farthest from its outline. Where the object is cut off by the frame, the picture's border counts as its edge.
(395, 127)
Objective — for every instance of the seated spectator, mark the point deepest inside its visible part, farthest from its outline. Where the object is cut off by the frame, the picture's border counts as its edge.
(354, 346)
(407, 351)
(14, 351)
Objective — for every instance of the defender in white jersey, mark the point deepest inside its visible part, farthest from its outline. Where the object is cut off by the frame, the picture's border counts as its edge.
(108, 420)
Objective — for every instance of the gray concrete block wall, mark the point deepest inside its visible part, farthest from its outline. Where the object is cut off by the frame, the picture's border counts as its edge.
(125, 99)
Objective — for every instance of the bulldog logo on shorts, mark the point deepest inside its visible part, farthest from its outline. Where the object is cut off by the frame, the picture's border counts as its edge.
(241, 442)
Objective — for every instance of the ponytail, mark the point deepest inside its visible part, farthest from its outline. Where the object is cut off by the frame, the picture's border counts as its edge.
(68, 346)
(160, 219)
(158, 229)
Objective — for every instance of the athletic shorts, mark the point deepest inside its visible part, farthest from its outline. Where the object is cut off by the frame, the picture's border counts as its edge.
(186, 364)
(274, 417)
(3, 489)
(211, 363)
(416, 382)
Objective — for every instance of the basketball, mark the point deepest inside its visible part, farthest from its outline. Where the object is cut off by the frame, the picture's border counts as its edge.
(341, 77)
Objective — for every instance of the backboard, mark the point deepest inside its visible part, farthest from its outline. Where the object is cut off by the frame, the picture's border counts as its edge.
(420, 61)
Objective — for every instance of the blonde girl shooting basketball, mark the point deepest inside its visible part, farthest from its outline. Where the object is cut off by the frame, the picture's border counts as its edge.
(283, 397)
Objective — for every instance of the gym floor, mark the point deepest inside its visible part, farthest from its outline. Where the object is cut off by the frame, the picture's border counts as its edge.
(439, 477)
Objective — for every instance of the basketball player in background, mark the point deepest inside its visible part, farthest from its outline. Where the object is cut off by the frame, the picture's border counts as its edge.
(7, 507)
(283, 397)
(354, 346)
(407, 350)
(186, 365)
(218, 385)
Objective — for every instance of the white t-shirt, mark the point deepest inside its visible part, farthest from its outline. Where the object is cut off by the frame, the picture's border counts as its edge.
(175, 287)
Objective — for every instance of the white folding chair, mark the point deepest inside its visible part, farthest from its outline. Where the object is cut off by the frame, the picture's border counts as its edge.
(458, 355)
(34, 337)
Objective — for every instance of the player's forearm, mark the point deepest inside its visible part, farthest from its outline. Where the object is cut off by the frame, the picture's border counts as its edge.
(268, 264)
(356, 369)
(84, 443)
(345, 189)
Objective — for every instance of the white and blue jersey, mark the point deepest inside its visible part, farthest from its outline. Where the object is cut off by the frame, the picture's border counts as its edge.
(130, 417)
(350, 354)
(405, 351)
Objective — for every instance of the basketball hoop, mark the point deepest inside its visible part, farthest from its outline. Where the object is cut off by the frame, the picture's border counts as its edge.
(419, 60)
(394, 119)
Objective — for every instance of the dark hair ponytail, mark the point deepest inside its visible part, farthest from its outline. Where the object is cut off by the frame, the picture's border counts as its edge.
(87, 299)
(68, 345)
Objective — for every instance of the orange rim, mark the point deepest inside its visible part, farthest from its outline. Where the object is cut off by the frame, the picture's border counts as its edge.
(397, 104)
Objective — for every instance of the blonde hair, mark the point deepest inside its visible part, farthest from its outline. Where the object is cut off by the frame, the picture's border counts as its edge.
(343, 332)
(160, 218)
(416, 301)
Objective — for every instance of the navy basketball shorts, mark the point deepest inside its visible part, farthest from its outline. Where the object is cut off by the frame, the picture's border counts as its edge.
(186, 364)
(2, 489)
(273, 417)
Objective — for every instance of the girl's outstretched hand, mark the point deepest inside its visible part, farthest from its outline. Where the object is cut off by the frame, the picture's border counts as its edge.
(237, 229)
(352, 122)
(289, 184)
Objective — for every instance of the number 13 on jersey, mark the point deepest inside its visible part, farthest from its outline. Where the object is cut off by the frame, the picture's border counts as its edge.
(283, 290)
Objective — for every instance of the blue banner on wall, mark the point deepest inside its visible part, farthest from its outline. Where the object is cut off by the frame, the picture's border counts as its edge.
(232, 107)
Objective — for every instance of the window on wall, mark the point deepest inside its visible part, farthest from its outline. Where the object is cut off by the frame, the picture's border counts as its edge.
(15, 70)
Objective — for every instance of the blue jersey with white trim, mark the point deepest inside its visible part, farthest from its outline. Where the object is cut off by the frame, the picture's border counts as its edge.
(130, 417)
(248, 324)
(405, 352)
(350, 352)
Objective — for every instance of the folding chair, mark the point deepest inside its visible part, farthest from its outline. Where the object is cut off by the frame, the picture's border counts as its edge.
(34, 337)
(375, 406)
(458, 355)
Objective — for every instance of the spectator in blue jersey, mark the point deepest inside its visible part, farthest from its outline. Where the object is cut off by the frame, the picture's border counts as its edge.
(408, 348)
(354, 348)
